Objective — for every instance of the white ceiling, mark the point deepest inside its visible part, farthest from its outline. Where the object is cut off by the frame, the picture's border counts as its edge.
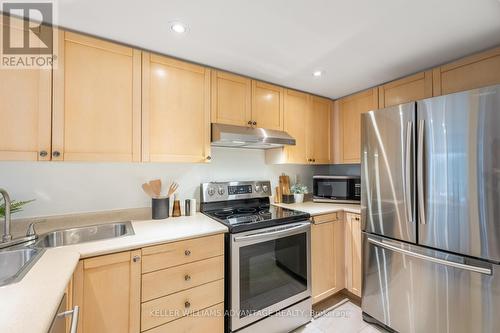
(358, 43)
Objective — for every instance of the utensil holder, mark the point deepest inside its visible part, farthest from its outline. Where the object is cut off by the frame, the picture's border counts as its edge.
(160, 208)
(287, 198)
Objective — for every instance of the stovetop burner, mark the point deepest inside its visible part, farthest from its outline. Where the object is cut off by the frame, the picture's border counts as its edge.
(249, 214)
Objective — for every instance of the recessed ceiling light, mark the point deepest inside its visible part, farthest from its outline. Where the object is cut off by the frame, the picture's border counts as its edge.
(318, 73)
(178, 27)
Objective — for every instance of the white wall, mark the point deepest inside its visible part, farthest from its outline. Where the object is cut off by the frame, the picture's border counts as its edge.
(65, 187)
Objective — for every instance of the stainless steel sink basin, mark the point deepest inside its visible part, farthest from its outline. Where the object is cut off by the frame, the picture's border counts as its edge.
(15, 264)
(85, 234)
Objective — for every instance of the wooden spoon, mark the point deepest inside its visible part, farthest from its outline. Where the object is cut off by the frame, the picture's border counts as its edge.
(148, 190)
(156, 186)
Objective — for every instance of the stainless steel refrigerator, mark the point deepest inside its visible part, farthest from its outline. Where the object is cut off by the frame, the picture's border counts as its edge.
(431, 214)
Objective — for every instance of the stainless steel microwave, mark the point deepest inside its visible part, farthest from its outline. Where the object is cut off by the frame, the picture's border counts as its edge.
(337, 189)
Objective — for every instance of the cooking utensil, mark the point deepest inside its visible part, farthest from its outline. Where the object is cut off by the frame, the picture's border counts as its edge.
(173, 187)
(156, 186)
(148, 190)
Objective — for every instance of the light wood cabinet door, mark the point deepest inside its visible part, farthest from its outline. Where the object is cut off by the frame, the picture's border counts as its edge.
(350, 109)
(353, 253)
(175, 110)
(476, 71)
(327, 258)
(411, 88)
(267, 105)
(25, 110)
(231, 99)
(97, 101)
(319, 131)
(297, 105)
(108, 291)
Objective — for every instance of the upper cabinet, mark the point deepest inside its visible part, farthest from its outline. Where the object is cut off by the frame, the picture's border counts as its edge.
(476, 71)
(175, 110)
(297, 105)
(25, 111)
(411, 88)
(97, 101)
(319, 131)
(350, 109)
(267, 105)
(231, 99)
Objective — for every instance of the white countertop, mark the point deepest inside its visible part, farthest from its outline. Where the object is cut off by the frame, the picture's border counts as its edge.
(320, 208)
(30, 304)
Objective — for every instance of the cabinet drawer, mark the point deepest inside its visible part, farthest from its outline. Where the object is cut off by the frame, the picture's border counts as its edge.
(178, 253)
(174, 279)
(325, 218)
(209, 320)
(169, 308)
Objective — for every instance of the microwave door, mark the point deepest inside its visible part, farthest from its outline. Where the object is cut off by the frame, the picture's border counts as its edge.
(387, 172)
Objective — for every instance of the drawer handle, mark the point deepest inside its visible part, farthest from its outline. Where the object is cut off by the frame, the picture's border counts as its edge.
(187, 305)
(187, 252)
(187, 278)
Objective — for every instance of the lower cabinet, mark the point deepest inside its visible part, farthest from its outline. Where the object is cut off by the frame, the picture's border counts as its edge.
(107, 289)
(353, 253)
(335, 255)
(327, 256)
(174, 287)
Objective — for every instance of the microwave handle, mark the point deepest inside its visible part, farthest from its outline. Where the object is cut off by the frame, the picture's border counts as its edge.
(275, 233)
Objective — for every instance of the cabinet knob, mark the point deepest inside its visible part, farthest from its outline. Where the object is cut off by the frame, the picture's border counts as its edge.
(43, 153)
(254, 123)
(314, 160)
(56, 153)
(209, 158)
(357, 218)
(187, 252)
(249, 122)
(187, 278)
(136, 259)
(187, 304)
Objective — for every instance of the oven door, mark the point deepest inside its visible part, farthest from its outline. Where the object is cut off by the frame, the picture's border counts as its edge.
(270, 270)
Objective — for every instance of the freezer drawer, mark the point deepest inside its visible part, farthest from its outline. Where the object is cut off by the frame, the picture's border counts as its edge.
(415, 289)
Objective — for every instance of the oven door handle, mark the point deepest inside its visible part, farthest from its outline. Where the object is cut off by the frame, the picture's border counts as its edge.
(276, 232)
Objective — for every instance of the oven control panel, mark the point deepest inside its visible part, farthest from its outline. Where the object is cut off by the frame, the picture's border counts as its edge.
(223, 191)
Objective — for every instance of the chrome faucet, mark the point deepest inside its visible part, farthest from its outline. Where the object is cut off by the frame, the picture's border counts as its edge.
(6, 237)
(7, 240)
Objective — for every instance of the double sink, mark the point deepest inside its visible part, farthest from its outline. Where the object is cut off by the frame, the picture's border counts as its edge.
(14, 264)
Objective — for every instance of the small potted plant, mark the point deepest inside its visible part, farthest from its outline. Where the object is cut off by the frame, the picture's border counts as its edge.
(15, 206)
(298, 191)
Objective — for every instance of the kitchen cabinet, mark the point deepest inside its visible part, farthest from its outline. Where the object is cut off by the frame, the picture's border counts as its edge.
(319, 131)
(231, 99)
(25, 111)
(476, 71)
(267, 105)
(180, 279)
(297, 106)
(353, 253)
(175, 110)
(411, 88)
(108, 291)
(97, 101)
(327, 256)
(350, 109)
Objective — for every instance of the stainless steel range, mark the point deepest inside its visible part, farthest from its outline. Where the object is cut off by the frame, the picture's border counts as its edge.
(268, 257)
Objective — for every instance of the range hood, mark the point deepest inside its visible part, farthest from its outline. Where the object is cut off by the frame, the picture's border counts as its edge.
(248, 137)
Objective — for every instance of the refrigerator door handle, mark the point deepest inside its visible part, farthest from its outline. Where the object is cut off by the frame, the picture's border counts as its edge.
(408, 173)
(440, 261)
(420, 172)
